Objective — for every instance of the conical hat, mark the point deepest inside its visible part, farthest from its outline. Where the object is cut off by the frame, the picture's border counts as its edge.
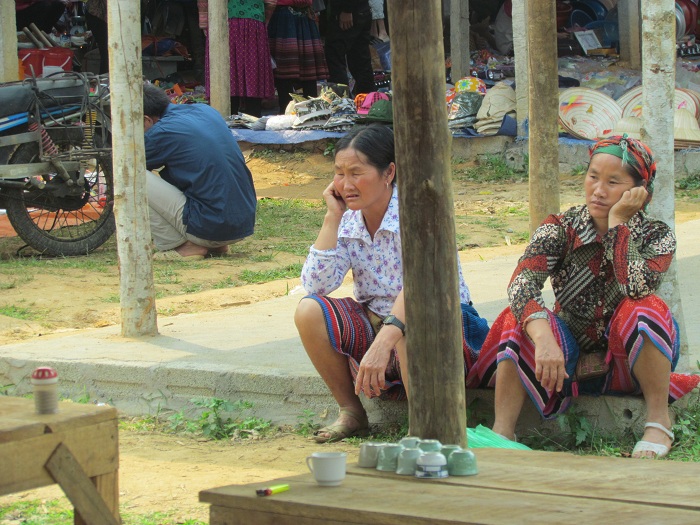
(498, 101)
(685, 127)
(630, 125)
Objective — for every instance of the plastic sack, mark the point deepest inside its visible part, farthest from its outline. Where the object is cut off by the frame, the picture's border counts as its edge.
(483, 437)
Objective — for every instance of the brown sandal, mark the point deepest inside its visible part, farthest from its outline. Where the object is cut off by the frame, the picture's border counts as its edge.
(338, 431)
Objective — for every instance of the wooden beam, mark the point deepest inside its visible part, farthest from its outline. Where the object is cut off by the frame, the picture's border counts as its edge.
(522, 59)
(543, 146)
(658, 79)
(219, 57)
(437, 406)
(9, 67)
(630, 29)
(88, 502)
(459, 38)
(138, 309)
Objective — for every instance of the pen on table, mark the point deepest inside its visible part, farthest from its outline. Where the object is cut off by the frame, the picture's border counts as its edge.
(272, 489)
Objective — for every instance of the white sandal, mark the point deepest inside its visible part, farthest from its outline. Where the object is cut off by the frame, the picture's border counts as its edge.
(658, 449)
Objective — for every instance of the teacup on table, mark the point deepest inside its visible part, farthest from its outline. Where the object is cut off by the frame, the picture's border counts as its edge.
(462, 463)
(369, 453)
(328, 468)
(407, 461)
(388, 457)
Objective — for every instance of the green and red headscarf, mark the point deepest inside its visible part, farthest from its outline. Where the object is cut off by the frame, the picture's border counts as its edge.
(633, 152)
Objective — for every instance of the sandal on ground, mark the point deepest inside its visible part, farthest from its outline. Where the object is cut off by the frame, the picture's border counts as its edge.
(339, 431)
(172, 255)
(658, 449)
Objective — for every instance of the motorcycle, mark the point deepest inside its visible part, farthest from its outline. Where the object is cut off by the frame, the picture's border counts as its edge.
(56, 181)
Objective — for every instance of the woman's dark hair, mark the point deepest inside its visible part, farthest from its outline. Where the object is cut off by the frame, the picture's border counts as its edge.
(376, 142)
(155, 101)
(632, 171)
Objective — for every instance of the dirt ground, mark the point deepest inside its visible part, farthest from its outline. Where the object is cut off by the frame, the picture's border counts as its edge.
(165, 472)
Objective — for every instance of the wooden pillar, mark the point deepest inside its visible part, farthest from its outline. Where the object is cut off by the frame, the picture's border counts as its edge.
(219, 57)
(437, 407)
(8, 42)
(459, 38)
(543, 145)
(658, 79)
(138, 311)
(522, 59)
(629, 24)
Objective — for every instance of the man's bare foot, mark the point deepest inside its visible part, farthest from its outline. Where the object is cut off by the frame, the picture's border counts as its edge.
(189, 248)
(218, 251)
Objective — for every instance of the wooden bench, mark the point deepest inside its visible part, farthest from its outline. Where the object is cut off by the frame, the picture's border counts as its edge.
(512, 487)
(76, 448)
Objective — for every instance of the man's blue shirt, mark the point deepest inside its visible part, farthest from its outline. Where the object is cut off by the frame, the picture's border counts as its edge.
(202, 159)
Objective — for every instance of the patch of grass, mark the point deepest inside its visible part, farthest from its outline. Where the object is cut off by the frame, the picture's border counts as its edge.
(19, 312)
(140, 424)
(306, 425)
(56, 512)
(37, 512)
(165, 275)
(691, 182)
(491, 168)
(263, 257)
(226, 282)
(290, 271)
(579, 170)
(687, 432)
(193, 288)
(329, 150)
(112, 298)
(276, 218)
(221, 419)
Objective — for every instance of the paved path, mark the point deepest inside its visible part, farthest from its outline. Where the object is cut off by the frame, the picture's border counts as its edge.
(253, 352)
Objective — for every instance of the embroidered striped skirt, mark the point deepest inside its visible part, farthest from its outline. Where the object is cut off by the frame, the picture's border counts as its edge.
(295, 44)
(351, 333)
(632, 319)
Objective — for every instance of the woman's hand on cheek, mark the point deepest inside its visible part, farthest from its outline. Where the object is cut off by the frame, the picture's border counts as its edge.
(334, 202)
(629, 204)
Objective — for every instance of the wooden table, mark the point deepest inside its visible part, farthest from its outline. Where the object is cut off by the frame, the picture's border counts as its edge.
(76, 448)
(513, 487)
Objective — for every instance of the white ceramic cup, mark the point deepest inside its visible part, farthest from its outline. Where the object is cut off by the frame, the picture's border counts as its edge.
(328, 468)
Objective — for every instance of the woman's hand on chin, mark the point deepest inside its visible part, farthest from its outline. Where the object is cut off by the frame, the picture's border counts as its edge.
(629, 204)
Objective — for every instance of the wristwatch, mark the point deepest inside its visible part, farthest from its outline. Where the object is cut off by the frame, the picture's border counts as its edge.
(393, 320)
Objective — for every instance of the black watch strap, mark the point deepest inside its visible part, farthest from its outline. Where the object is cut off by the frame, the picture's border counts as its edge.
(393, 320)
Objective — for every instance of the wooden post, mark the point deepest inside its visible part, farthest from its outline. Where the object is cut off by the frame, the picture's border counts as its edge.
(658, 79)
(459, 38)
(543, 146)
(437, 406)
(138, 311)
(629, 25)
(219, 58)
(8, 42)
(522, 59)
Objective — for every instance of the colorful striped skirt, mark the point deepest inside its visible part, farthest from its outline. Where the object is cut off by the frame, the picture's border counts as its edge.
(351, 332)
(632, 319)
(296, 46)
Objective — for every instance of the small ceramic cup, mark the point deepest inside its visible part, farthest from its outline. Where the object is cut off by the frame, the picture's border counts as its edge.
(446, 450)
(462, 463)
(410, 442)
(431, 465)
(328, 468)
(388, 458)
(429, 445)
(407, 461)
(369, 453)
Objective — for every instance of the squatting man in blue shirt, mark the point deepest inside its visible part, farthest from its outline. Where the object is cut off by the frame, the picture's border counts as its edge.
(204, 198)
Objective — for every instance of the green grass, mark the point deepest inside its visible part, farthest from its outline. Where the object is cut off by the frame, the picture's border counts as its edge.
(19, 312)
(278, 218)
(692, 182)
(490, 168)
(57, 512)
(290, 271)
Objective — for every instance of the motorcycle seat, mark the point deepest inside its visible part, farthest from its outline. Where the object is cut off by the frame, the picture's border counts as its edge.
(15, 97)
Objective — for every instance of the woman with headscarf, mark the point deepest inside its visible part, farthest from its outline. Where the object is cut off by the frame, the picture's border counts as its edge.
(608, 332)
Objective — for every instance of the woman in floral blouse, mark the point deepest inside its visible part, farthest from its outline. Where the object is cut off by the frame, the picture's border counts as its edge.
(360, 233)
(605, 260)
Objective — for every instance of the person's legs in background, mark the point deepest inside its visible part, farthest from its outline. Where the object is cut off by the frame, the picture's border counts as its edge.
(359, 58)
(99, 32)
(378, 29)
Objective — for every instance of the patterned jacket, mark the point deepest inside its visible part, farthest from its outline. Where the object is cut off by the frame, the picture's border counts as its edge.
(590, 274)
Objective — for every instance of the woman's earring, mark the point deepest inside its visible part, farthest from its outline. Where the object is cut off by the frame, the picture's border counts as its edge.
(387, 185)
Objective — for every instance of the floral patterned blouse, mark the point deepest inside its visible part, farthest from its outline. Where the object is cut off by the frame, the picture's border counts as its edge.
(590, 274)
(376, 264)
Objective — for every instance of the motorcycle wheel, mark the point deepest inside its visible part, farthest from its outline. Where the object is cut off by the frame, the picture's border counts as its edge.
(69, 225)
